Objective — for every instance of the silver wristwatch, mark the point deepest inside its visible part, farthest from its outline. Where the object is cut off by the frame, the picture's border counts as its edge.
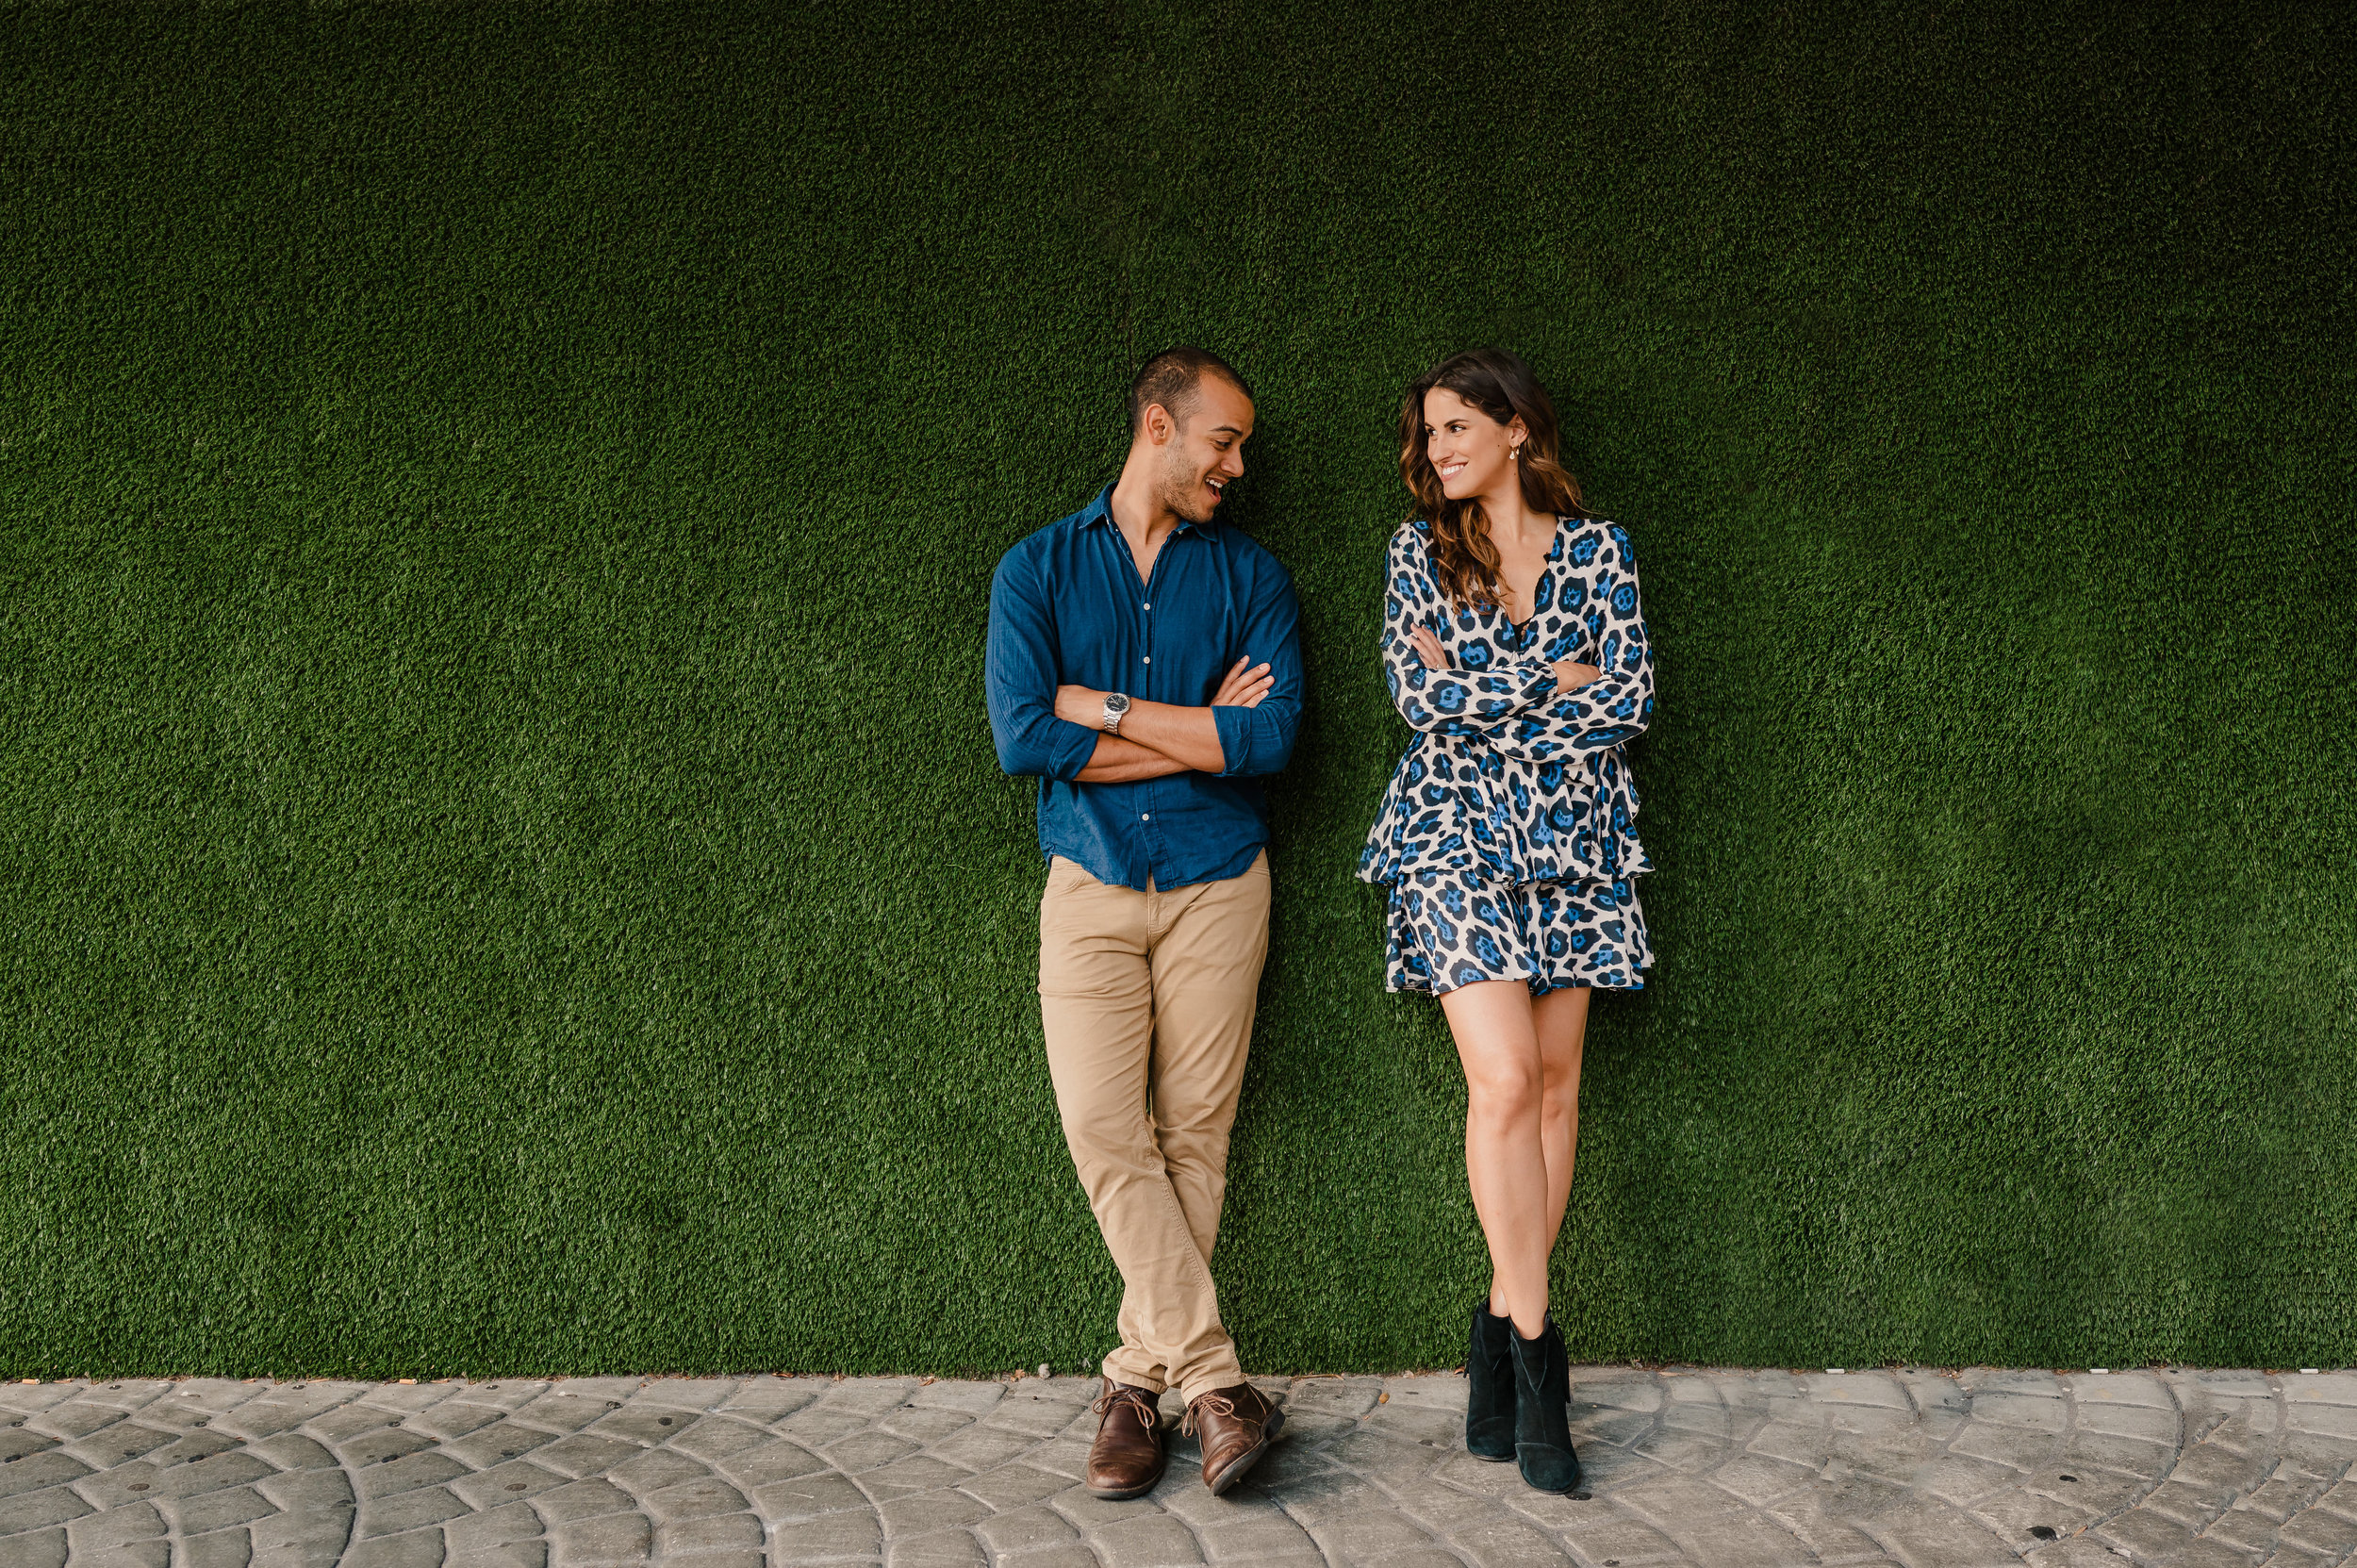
(1115, 706)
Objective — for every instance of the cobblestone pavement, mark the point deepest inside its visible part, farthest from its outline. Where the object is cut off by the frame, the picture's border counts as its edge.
(1722, 1469)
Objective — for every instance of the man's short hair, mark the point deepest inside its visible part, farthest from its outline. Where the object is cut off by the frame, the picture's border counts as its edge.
(1170, 377)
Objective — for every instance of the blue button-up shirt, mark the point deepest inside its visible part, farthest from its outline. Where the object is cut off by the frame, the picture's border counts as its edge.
(1067, 608)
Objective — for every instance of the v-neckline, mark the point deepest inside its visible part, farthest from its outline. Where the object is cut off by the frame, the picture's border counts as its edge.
(1547, 565)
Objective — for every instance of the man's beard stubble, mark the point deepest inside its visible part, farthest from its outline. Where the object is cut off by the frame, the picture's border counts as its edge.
(1175, 488)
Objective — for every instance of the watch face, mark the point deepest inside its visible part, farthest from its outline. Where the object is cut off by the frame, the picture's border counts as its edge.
(1117, 703)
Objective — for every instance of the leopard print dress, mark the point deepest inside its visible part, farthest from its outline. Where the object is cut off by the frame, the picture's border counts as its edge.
(1507, 836)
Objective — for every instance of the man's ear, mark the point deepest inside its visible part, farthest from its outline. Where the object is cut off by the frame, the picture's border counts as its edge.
(1160, 426)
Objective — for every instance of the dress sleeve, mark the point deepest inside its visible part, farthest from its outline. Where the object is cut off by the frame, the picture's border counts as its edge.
(1444, 702)
(1618, 704)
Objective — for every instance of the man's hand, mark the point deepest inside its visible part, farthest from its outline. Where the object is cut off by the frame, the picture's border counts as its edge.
(1426, 645)
(1244, 688)
(1080, 705)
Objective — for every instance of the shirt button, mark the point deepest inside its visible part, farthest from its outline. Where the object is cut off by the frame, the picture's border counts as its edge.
(1149, 606)
(1145, 817)
(1149, 658)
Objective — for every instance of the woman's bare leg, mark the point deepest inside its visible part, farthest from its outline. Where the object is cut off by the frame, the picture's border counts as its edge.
(1561, 1018)
(1506, 1161)
(1562, 1021)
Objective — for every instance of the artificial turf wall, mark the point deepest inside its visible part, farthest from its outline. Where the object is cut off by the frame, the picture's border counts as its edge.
(504, 866)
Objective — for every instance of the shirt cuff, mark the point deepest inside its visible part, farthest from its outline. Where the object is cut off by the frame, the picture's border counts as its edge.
(1075, 744)
(1235, 740)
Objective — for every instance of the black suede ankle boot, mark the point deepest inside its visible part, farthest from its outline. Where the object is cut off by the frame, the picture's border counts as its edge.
(1489, 1387)
(1542, 1417)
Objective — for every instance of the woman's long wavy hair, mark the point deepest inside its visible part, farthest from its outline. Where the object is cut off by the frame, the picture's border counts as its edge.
(1501, 386)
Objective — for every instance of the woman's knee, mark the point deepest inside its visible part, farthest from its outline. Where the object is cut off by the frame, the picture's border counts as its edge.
(1558, 1094)
(1505, 1087)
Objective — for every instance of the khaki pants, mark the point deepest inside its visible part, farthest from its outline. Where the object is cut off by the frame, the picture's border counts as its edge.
(1147, 1002)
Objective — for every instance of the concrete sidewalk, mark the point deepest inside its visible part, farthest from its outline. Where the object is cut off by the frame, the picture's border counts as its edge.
(1725, 1469)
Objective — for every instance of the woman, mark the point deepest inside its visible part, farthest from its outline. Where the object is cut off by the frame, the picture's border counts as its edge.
(1513, 642)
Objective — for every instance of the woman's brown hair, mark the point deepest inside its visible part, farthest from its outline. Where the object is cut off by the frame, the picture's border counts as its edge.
(1501, 386)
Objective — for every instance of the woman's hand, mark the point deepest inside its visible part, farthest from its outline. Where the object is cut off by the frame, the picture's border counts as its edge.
(1569, 674)
(1244, 688)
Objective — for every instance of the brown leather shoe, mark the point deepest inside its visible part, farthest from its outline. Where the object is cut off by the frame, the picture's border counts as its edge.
(1127, 1458)
(1237, 1425)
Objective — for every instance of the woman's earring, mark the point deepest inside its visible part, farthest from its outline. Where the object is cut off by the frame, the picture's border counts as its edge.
(1513, 454)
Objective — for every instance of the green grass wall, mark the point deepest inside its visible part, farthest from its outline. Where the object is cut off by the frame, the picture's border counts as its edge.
(504, 869)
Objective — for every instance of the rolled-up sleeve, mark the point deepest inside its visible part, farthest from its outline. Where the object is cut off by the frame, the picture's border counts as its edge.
(1259, 740)
(1020, 679)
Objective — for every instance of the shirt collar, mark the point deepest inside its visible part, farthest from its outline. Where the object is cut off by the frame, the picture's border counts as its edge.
(1101, 510)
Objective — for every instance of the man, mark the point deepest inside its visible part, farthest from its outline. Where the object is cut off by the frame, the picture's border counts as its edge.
(1144, 665)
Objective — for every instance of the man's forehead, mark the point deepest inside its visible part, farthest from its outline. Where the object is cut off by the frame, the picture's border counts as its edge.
(1221, 406)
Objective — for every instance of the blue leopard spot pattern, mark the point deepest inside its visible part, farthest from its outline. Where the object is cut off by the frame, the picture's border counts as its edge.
(1508, 836)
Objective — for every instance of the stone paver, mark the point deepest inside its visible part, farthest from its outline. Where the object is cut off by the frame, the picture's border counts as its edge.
(1905, 1469)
